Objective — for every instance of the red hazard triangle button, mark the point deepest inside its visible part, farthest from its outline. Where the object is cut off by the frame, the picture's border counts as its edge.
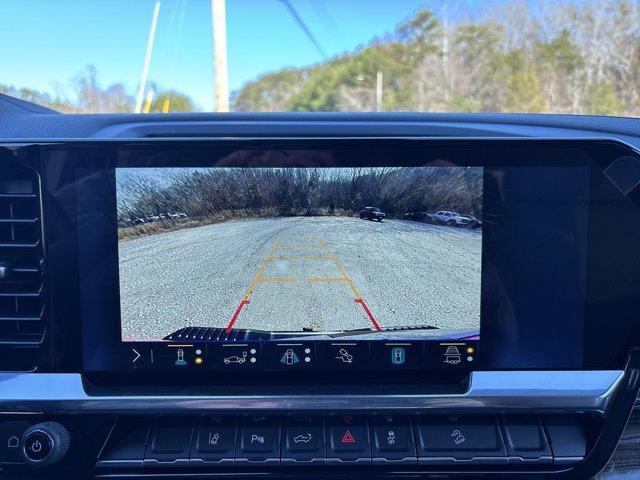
(348, 438)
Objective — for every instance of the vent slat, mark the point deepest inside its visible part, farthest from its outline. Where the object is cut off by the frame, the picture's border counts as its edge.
(28, 294)
(20, 318)
(26, 270)
(20, 341)
(18, 220)
(18, 196)
(20, 244)
(22, 307)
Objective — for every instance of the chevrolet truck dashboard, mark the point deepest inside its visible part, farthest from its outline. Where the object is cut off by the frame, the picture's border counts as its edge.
(316, 295)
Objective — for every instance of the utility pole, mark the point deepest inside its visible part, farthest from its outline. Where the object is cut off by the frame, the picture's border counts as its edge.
(147, 57)
(219, 24)
(379, 91)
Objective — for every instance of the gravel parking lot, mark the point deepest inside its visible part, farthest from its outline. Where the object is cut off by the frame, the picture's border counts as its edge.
(299, 272)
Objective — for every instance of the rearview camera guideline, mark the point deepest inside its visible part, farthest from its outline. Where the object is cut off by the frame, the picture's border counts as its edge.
(305, 251)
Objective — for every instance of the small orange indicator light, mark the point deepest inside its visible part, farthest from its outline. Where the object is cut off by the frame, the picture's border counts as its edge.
(198, 360)
(470, 350)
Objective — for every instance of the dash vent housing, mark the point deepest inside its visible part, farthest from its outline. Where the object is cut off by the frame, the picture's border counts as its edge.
(22, 300)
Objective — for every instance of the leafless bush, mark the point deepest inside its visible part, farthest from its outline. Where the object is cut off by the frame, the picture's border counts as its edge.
(218, 194)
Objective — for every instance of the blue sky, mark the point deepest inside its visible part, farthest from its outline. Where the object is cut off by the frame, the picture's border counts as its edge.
(45, 43)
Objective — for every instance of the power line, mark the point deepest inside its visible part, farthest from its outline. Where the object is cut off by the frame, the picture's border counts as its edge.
(327, 21)
(301, 23)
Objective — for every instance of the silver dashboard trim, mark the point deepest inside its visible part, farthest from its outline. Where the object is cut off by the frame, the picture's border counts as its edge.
(504, 391)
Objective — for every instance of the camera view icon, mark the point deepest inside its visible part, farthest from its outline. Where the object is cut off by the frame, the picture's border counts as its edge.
(452, 355)
(180, 362)
(398, 356)
(289, 357)
(344, 356)
(239, 359)
(242, 354)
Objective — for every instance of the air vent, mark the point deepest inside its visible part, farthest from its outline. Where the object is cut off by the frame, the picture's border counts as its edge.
(22, 326)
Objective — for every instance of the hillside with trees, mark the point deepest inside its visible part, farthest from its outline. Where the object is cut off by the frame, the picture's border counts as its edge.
(218, 194)
(88, 96)
(561, 56)
(554, 57)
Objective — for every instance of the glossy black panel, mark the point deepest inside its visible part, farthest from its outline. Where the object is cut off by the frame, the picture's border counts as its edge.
(539, 301)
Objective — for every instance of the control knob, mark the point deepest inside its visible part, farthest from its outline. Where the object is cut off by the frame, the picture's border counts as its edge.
(45, 443)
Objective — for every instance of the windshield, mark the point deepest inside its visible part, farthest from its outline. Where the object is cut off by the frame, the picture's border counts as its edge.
(565, 56)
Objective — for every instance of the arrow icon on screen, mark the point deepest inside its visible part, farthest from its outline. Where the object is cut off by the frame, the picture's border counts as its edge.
(135, 359)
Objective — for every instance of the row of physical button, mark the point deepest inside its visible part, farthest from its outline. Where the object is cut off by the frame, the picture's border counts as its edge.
(257, 439)
(338, 439)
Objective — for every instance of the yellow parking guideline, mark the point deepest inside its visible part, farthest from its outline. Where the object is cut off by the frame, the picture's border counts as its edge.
(301, 245)
(343, 270)
(293, 258)
(278, 245)
(277, 280)
(327, 279)
(263, 266)
(328, 255)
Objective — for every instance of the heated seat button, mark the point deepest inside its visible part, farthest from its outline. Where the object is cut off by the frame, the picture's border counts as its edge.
(303, 440)
(458, 438)
(214, 441)
(348, 439)
(525, 439)
(258, 440)
(392, 439)
(170, 443)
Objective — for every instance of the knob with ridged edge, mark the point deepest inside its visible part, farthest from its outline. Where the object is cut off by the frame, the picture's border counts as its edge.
(45, 443)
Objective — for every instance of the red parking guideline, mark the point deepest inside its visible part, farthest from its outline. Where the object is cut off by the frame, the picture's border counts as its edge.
(235, 315)
(369, 314)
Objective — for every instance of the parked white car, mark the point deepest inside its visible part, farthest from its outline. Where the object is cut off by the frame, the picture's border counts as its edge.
(454, 219)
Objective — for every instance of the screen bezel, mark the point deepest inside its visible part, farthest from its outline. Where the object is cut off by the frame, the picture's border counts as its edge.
(595, 154)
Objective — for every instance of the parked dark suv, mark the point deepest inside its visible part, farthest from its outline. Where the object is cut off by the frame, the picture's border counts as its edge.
(372, 213)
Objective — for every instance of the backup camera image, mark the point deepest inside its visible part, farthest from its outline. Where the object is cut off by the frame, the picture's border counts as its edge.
(369, 252)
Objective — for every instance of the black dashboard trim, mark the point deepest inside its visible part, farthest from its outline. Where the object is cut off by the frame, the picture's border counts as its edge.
(505, 391)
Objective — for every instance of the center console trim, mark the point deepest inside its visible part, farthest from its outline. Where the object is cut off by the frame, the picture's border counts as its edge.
(505, 391)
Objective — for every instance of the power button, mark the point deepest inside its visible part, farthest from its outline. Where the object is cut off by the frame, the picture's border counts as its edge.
(37, 445)
(45, 443)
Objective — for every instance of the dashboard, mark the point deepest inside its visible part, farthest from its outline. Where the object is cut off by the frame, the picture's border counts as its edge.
(295, 298)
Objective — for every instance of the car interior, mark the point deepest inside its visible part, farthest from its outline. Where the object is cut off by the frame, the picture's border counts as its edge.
(382, 240)
(303, 361)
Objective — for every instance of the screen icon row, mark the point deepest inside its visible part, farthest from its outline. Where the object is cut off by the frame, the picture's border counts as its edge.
(303, 355)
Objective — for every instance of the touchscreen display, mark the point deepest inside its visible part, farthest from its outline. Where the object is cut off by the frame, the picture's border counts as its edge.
(366, 253)
(342, 262)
